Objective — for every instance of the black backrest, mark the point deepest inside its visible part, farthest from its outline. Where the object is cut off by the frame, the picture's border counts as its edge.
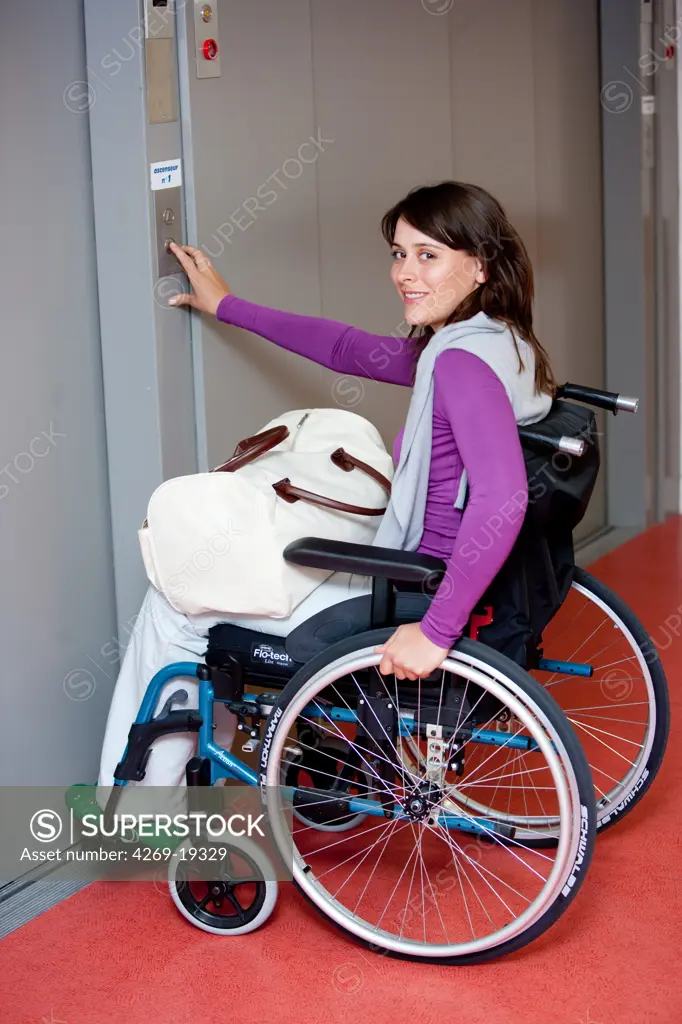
(560, 485)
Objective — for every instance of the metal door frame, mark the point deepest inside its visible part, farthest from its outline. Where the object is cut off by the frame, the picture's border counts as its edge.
(638, 349)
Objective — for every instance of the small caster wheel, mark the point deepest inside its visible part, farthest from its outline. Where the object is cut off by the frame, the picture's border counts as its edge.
(237, 900)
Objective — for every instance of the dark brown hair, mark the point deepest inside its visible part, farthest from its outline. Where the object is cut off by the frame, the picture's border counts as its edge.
(467, 218)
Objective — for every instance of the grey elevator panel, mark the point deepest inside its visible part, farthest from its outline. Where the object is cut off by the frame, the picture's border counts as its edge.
(161, 76)
(168, 225)
(206, 39)
(160, 62)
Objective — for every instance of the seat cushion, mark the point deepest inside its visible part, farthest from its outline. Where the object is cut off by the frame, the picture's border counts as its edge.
(257, 649)
(320, 631)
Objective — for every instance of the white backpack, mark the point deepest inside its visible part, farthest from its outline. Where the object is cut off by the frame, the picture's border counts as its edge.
(213, 542)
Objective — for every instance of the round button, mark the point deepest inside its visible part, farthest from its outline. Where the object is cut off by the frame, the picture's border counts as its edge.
(210, 49)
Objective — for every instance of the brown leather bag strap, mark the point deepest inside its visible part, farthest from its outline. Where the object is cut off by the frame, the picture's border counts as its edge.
(251, 447)
(341, 458)
(346, 461)
(286, 490)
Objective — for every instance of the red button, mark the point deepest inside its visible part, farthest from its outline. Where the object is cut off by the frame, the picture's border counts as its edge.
(210, 49)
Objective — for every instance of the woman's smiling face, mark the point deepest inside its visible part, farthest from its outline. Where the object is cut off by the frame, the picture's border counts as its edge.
(431, 278)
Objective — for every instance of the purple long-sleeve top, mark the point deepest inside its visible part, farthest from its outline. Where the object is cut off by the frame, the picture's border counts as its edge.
(473, 428)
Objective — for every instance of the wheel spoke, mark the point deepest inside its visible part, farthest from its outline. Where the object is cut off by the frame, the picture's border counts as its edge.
(619, 668)
(232, 899)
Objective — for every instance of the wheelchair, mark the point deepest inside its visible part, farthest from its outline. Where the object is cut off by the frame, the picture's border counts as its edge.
(450, 819)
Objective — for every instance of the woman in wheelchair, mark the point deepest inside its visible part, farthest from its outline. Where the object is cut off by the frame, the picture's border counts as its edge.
(454, 254)
(463, 758)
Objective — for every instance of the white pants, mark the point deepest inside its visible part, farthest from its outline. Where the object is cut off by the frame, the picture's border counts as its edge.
(162, 635)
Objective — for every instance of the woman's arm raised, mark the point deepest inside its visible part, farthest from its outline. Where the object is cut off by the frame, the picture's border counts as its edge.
(328, 342)
(335, 345)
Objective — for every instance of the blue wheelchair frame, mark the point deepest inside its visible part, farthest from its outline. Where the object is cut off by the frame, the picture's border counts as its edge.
(224, 764)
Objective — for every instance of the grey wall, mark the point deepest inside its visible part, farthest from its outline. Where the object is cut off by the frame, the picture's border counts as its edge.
(505, 95)
(526, 125)
(57, 595)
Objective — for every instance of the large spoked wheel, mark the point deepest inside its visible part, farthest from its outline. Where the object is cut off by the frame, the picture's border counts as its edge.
(422, 876)
(620, 709)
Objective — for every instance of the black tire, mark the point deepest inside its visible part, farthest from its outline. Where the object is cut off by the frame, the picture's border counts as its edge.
(661, 696)
(483, 657)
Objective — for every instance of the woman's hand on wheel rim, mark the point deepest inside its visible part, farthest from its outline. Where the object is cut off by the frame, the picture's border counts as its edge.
(207, 284)
(409, 654)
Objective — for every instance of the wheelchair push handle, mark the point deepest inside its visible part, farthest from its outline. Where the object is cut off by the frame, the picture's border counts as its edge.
(570, 445)
(539, 438)
(610, 400)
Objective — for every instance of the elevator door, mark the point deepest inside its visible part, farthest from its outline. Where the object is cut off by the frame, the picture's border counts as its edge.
(323, 116)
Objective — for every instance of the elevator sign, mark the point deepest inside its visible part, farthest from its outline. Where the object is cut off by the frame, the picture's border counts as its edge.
(166, 174)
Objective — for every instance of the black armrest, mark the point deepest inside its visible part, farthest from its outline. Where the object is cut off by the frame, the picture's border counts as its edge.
(364, 559)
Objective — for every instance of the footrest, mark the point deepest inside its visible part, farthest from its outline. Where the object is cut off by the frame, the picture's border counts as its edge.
(143, 734)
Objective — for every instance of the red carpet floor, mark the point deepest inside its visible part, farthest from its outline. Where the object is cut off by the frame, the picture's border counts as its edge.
(119, 953)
